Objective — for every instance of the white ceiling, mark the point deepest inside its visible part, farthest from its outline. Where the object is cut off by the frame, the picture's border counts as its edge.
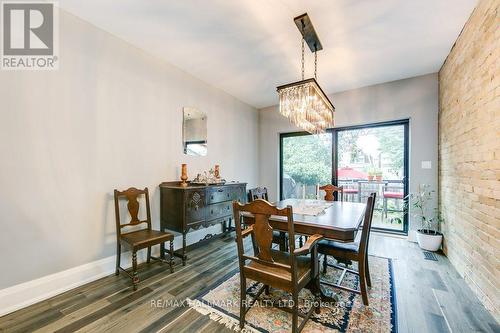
(248, 47)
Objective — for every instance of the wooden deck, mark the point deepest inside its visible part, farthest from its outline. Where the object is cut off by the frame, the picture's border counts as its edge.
(431, 297)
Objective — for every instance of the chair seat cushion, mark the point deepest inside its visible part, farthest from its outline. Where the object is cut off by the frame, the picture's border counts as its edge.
(326, 245)
(144, 238)
(257, 271)
(393, 195)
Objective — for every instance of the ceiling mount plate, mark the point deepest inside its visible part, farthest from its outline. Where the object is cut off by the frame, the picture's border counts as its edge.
(304, 24)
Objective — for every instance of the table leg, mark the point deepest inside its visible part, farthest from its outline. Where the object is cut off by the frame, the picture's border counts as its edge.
(316, 287)
(254, 244)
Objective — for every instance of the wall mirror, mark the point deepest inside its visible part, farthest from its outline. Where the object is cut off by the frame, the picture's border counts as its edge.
(194, 132)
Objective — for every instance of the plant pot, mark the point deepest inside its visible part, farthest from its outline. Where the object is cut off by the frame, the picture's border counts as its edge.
(378, 178)
(370, 178)
(429, 240)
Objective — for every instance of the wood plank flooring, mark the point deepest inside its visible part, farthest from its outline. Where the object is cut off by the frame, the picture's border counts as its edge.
(431, 296)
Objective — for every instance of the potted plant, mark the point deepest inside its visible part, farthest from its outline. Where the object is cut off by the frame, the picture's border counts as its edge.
(428, 236)
(378, 176)
(371, 175)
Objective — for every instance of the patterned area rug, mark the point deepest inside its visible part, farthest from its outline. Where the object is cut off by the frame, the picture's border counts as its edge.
(349, 314)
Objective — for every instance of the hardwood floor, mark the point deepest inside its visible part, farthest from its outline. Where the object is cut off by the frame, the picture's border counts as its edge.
(431, 296)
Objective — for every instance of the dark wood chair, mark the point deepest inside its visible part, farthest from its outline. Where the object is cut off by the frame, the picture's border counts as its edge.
(257, 193)
(348, 252)
(279, 237)
(289, 271)
(139, 239)
(330, 189)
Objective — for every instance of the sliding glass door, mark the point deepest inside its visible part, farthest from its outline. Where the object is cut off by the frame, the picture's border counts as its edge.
(362, 159)
(374, 158)
(306, 161)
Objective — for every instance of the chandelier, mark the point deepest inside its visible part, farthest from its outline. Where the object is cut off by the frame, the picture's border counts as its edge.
(304, 103)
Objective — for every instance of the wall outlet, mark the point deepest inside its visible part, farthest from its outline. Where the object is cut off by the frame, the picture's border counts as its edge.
(426, 165)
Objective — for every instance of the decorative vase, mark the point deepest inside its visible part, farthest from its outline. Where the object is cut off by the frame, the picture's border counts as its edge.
(429, 240)
(184, 176)
(217, 171)
(370, 178)
(378, 178)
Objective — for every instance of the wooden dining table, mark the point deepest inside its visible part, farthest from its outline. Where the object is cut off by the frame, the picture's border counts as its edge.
(340, 221)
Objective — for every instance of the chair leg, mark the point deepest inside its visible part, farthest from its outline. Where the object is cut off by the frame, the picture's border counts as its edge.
(149, 255)
(362, 282)
(118, 257)
(295, 312)
(171, 261)
(135, 277)
(325, 261)
(162, 250)
(367, 271)
(243, 300)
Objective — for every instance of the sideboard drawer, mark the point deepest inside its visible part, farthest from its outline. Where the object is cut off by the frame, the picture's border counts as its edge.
(219, 210)
(219, 194)
(195, 207)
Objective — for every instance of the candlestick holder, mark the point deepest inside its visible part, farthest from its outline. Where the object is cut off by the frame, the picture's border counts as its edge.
(184, 176)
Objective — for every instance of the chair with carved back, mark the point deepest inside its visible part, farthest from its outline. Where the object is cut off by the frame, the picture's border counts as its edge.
(138, 239)
(348, 252)
(330, 196)
(279, 237)
(330, 190)
(289, 271)
(257, 193)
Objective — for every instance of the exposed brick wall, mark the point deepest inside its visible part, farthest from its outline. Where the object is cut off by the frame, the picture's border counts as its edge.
(469, 153)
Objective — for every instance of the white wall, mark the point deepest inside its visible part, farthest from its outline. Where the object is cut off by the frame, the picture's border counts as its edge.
(414, 98)
(110, 117)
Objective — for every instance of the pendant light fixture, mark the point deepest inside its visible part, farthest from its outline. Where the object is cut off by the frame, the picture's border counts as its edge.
(304, 103)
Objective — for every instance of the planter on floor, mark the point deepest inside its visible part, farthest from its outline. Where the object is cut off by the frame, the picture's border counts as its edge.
(429, 240)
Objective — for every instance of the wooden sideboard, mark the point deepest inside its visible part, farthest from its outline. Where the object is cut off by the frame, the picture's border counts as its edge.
(187, 208)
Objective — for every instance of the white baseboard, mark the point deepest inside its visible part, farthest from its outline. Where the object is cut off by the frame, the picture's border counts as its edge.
(24, 294)
(31, 292)
(412, 236)
(28, 293)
